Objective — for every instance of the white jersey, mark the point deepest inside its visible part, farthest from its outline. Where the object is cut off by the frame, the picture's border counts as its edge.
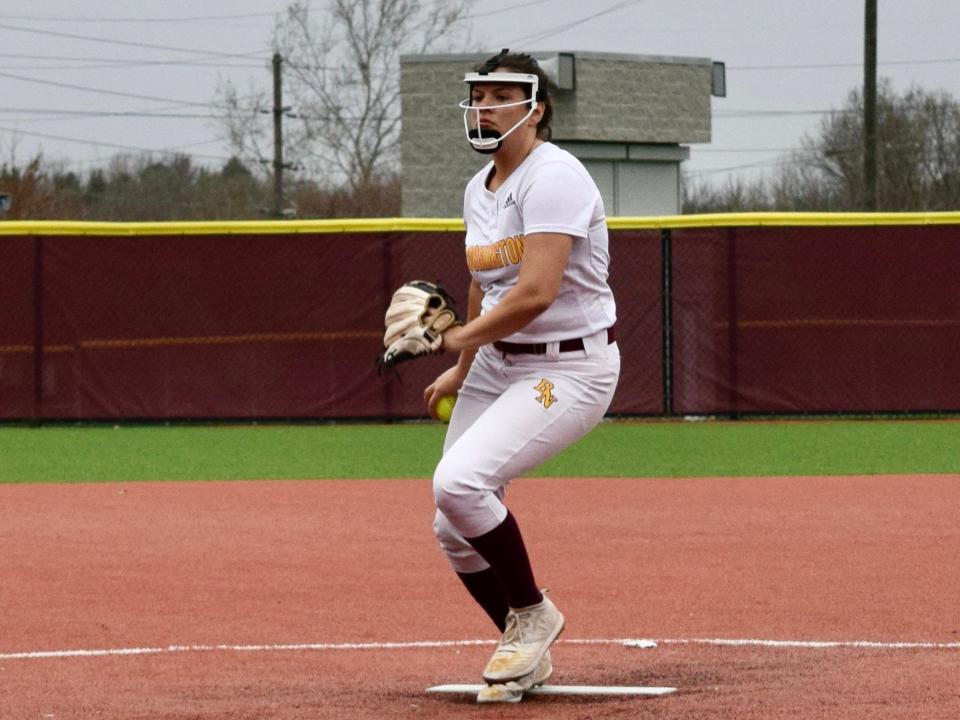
(550, 192)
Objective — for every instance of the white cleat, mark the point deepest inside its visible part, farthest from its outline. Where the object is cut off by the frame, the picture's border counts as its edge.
(530, 633)
(512, 691)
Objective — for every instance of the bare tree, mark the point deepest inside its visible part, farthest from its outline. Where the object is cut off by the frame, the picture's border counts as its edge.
(734, 195)
(918, 166)
(342, 79)
(918, 161)
(245, 120)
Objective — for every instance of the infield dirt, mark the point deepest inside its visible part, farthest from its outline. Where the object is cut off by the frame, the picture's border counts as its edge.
(195, 575)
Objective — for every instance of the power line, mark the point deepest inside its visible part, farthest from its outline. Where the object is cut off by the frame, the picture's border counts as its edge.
(100, 20)
(116, 146)
(36, 68)
(162, 113)
(73, 163)
(857, 65)
(103, 62)
(111, 41)
(736, 151)
(216, 18)
(101, 59)
(535, 37)
(101, 91)
(508, 8)
(791, 27)
(90, 64)
(52, 115)
(732, 114)
(746, 166)
(107, 113)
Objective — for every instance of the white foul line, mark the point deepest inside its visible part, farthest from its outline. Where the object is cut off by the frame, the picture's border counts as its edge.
(299, 647)
(815, 644)
(426, 644)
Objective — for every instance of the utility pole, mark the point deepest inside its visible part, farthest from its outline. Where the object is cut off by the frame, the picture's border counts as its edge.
(277, 136)
(870, 106)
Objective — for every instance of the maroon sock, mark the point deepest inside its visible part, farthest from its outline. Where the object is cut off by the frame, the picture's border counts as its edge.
(485, 587)
(503, 548)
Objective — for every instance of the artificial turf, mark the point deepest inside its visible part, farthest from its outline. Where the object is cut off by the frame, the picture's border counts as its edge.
(616, 449)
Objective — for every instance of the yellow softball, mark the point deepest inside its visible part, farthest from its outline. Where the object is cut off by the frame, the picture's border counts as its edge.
(445, 407)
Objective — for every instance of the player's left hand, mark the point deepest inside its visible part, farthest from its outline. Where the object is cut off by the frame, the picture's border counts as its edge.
(420, 313)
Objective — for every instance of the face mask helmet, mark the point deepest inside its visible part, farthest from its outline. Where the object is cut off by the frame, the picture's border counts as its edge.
(489, 140)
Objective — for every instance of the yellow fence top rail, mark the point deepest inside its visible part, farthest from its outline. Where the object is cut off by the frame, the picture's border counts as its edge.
(232, 227)
(382, 225)
(786, 219)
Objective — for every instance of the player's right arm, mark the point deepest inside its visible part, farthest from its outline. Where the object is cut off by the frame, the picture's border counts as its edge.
(545, 256)
(449, 382)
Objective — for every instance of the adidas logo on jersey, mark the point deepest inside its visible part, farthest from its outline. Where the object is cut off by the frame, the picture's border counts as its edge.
(510, 202)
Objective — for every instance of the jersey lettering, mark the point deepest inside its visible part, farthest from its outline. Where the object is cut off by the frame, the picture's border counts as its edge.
(508, 251)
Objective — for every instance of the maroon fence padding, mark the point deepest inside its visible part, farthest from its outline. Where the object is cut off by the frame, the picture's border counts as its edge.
(17, 328)
(816, 319)
(240, 326)
(207, 326)
(636, 279)
(763, 320)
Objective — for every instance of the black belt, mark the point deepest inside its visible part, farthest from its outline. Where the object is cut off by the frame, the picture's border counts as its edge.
(541, 348)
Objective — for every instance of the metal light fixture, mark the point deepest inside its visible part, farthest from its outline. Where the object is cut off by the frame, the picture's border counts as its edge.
(560, 69)
(718, 79)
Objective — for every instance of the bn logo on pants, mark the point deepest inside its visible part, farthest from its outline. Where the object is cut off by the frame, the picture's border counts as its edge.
(545, 388)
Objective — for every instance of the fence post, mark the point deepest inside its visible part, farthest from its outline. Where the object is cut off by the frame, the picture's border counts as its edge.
(388, 394)
(37, 329)
(733, 312)
(666, 309)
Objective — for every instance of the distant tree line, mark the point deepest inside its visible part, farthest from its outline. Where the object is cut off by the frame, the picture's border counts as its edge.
(918, 162)
(173, 188)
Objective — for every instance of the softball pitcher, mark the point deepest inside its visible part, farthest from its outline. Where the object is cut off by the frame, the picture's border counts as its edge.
(538, 362)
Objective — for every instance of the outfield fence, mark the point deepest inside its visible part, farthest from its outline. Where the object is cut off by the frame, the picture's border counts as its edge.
(718, 315)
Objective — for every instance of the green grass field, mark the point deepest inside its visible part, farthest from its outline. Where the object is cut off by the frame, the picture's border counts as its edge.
(615, 449)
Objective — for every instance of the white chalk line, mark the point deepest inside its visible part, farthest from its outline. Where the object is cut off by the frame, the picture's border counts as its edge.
(426, 644)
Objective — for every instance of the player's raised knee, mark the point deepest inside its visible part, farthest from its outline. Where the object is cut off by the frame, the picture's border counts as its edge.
(448, 492)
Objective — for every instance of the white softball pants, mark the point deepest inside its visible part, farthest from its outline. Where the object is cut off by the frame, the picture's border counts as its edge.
(513, 413)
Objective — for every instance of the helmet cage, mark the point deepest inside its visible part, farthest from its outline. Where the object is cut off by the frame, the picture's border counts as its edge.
(491, 143)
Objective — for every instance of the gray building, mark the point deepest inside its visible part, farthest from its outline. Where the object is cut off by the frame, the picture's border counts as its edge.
(626, 117)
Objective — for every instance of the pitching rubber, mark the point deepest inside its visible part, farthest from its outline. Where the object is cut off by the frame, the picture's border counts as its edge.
(566, 690)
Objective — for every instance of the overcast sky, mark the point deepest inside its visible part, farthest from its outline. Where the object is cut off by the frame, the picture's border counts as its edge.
(64, 61)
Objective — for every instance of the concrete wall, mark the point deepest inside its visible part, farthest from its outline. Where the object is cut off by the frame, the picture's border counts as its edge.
(435, 158)
(636, 99)
(621, 102)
